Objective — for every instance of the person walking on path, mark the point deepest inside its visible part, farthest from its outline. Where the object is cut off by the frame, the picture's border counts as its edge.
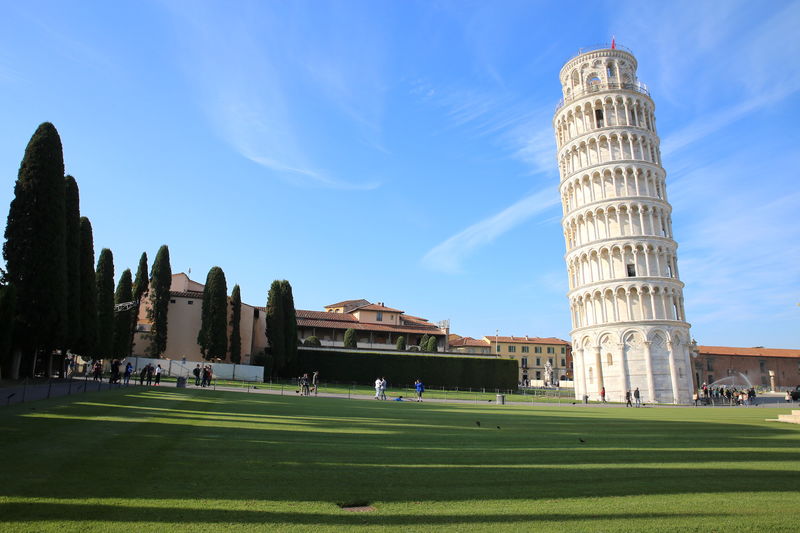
(150, 371)
(158, 375)
(197, 373)
(383, 388)
(420, 389)
(636, 397)
(377, 388)
(315, 381)
(128, 372)
(628, 399)
(603, 395)
(142, 374)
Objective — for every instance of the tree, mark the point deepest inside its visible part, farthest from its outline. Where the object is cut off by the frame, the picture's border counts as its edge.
(290, 336)
(401, 343)
(282, 326)
(236, 320)
(88, 293)
(423, 343)
(276, 328)
(312, 342)
(160, 282)
(73, 263)
(122, 319)
(105, 304)
(213, 334)
(432, 345)
(140, 286)
(7, 302)
(350, 340)
(35, 247)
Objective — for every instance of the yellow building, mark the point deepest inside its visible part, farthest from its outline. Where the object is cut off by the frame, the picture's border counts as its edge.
(532, 355)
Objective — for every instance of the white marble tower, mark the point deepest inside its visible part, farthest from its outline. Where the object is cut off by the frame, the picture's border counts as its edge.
(628, 324)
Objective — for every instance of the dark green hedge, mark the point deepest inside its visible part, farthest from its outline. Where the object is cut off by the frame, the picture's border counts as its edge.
(402, 369)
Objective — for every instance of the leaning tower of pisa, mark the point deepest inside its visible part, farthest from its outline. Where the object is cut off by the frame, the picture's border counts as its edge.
(625, 296)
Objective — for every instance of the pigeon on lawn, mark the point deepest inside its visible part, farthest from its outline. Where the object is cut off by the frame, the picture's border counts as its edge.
(581, 440)
(498, 427)
(478, 423)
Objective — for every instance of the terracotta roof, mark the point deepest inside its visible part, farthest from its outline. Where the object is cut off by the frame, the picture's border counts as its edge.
(186, 294)
(412, 318)
(526, 340)
(469, 341)
(361, 326)
(325, 315)
(748, 352)
(376, 307)
(346, 303)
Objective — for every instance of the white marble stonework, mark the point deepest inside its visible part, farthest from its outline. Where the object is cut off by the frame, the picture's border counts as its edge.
(626, 298)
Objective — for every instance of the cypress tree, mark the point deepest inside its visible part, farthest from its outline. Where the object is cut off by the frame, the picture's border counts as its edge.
(160, 282)
(432, 345)
(276, 329)
(73, 250)
(423, 342)
(290, 325)
(105, 304)
(350, 340)
(7, 302)
(213, 334)
(35, 247)
(401, 343)
(88, 293)
(140, 285)
(236, 319)
(122, 319)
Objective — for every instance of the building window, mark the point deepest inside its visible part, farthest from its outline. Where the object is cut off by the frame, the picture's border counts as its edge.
(538, 374)
(631, 271)
(763, 366)
(563, 362)
(498, 348)
(379, 316)
(550, 360)
(190, 302)
(709, 364)
(512, 349)
(710, 379)
(563, 349)
(525, 349)
(537, 349)
(550, 349)
(524, 362)
(172, 301)
(538, 361)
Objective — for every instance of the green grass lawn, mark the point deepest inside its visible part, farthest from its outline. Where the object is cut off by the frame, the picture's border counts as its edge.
(179, 460)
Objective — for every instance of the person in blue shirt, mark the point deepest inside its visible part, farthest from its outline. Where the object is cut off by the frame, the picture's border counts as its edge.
(420, 389)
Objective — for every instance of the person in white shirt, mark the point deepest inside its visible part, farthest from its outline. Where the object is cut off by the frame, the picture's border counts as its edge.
(378, 389)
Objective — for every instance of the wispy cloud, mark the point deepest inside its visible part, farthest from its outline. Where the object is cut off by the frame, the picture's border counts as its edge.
(257, 96)
(448, 255)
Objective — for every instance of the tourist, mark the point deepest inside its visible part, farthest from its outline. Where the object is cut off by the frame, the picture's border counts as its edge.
(114, 372)
(142, 375)
(98, 371)
(383, 388)
(158, 375)
(420, 389)
(377, 388)
(197, 373)
(128, 372)
(150, 371)
(695, 397)
(628, 399)
(603, 395)
(304, 385)
(315, 381)
(636, 397)
(788, 397)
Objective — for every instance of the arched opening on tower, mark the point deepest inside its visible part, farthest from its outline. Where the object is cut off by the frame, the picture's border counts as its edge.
(598, 117)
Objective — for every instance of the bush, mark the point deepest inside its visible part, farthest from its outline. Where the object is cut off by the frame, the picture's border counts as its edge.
(403, 369)
(432, 345)
(350, 339)
(312, 342)
(401, 343)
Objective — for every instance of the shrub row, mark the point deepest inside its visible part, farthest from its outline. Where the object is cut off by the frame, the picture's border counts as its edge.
(402, 369)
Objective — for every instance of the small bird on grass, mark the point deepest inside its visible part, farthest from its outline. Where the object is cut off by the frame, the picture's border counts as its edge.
(478, 423)
(498, 427)
(581, 440)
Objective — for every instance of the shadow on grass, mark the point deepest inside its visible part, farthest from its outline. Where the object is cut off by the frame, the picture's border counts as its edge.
(43, 512)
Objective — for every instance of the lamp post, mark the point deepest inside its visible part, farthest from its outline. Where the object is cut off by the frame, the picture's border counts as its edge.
(496, 345)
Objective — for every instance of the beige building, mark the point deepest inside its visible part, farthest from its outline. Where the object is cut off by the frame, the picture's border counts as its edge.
(183, 324)
(533, 354)
(377, 325)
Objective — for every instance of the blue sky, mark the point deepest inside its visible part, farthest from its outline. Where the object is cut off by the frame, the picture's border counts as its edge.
(403, 151)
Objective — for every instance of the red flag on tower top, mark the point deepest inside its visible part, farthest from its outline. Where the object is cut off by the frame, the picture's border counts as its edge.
(613, 43)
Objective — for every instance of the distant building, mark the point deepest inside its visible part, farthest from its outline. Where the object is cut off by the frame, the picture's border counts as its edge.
(460, 344)
(730, 365)
(533, 353)
(377, 326)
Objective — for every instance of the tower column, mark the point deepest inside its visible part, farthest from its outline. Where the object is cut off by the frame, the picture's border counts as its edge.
(648, 365)
(673, 372)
